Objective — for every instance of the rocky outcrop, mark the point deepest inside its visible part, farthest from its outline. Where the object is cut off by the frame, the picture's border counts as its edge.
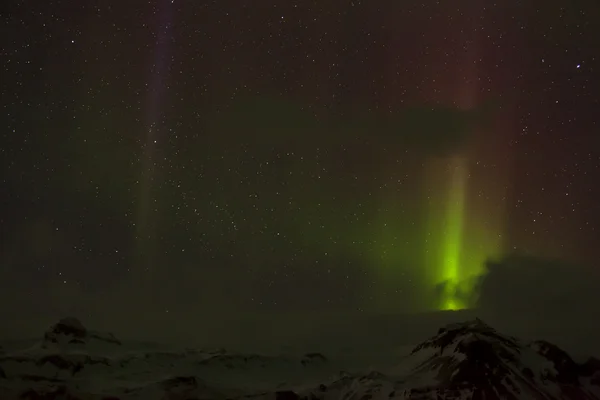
(70, 331)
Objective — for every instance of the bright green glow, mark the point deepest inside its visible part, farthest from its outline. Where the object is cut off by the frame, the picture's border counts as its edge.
(453, 235)
(440, 237)
(452, 304)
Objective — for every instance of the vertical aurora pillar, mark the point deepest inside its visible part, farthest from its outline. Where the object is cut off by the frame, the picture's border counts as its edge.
(452, 244)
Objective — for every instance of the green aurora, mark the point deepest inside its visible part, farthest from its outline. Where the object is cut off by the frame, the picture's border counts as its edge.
(464, 244)
(413, 237)
(449, 251)
(451, 272)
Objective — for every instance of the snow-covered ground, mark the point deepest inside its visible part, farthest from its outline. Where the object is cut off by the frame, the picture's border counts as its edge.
(467, 360)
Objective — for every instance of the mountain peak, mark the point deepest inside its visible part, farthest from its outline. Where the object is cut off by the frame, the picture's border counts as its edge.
(70, 331)
(472, 356)
(465, 335)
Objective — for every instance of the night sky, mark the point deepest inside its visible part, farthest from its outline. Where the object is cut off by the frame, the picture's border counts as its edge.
(292, 155)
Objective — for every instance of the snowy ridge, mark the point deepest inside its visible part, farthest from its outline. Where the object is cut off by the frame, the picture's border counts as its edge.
(469, 360)
(472, 360)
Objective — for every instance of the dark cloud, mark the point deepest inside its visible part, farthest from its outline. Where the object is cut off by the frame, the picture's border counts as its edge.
(541, 298)
(539, 286)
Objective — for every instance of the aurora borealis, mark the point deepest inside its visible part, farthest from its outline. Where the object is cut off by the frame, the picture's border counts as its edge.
(453, 233)
(293, 156)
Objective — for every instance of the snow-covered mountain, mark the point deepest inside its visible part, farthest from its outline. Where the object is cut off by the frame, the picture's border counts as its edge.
(469, 360)
(472, 360)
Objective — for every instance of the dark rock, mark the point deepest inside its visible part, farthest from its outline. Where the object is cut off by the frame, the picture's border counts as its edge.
(180, 381)
(233, 361)
(567, 370)
(71, 331)
(286, 395)
(589, 367)
(62, 362)
(313, 358)
(38, 378)
(528, 373)
(105, 337)
(59, 392)
(57, 360)
(70, 327)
